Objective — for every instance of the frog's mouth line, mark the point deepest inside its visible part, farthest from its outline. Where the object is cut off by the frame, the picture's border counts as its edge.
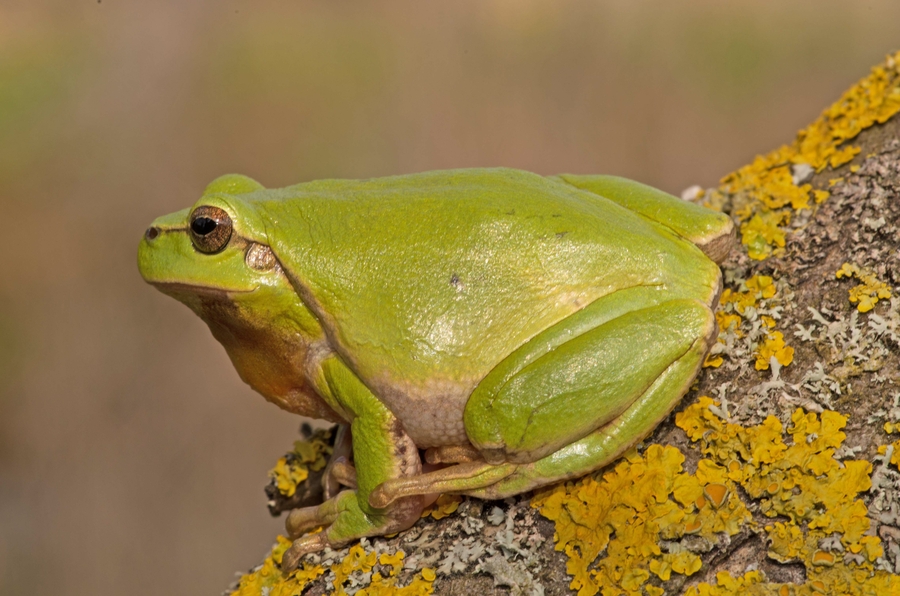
(177, 287)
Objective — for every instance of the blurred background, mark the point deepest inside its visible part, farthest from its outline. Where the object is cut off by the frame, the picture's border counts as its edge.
(132, 458)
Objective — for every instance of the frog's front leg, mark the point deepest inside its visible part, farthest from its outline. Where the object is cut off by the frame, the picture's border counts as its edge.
(381, 451)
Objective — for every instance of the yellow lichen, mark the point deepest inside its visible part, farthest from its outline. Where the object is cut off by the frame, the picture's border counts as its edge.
(762, 232)
(713, 361)
(764, 192)
(356, 560)
(729, 322)
(821, 195)
(715, 493)
(360, 560)
(288, 476)
(773, 347)
(762, 285)
(802, 482)
(444, 506)
(648, 498)
(627, 511)
(730, 318)
(270, 581)
(294, 468)
(866, 294)
(895, 454)
(421, 585)
(395, 561)
(726, 585)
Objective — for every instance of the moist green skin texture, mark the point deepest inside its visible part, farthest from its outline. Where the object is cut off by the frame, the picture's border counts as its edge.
(540, 326)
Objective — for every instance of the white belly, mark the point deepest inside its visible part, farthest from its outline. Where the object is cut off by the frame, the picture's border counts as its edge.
(432, 416)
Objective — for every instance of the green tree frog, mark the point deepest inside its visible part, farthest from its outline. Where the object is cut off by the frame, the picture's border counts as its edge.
(516, 329)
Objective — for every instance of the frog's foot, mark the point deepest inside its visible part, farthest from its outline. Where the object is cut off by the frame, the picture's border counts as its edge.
(452, 454)
(304, 546)
(346, 520)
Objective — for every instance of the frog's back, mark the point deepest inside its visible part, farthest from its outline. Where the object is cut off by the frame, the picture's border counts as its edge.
(440, 275)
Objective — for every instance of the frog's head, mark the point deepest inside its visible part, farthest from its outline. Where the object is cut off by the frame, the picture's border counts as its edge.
(212, 248)
(215, 257)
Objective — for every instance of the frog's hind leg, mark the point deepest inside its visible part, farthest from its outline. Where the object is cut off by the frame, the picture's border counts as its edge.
(528, 408)
(607, 443)
(617, 408)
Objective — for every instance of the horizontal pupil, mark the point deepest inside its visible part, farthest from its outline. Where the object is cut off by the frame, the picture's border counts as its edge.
(203, 226)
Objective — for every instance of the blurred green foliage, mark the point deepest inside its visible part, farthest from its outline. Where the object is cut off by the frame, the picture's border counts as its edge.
(38, 74)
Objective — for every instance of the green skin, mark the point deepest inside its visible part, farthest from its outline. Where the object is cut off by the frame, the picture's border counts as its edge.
(521, 329)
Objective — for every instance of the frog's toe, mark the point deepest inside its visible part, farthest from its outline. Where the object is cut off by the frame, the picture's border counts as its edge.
(456, 478)
(339, 473)
(452, 454)
(345, 521)
(300, 547)
(304, 519)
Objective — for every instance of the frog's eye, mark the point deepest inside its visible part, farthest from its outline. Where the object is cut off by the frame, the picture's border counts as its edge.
(210, 229)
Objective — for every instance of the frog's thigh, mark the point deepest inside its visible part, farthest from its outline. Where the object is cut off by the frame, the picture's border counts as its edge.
(589, 381)
(608, 442)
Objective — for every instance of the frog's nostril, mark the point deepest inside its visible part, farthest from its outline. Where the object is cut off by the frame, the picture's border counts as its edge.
(151, 233)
